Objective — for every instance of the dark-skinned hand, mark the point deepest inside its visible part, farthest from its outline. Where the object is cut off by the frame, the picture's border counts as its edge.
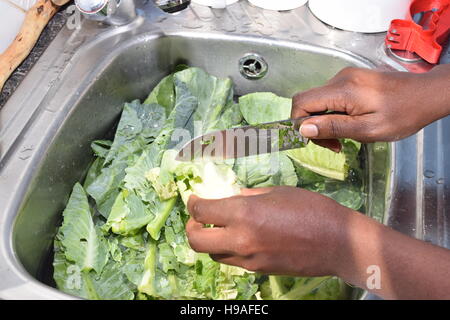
(290, 231)
(379, 106)
(281, 230)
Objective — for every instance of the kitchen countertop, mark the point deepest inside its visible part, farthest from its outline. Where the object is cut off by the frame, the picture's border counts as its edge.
(49, 33)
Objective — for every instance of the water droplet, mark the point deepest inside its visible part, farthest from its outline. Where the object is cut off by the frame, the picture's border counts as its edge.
(440, 181)
(429, 173)
(26, 152)
(26, 148)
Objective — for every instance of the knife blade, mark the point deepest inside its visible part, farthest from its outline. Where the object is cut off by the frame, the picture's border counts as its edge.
(245, 141)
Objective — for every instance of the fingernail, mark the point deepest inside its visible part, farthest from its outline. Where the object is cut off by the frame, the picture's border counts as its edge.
(309, 130)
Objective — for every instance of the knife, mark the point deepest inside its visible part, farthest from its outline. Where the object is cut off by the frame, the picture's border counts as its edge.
(246, 141)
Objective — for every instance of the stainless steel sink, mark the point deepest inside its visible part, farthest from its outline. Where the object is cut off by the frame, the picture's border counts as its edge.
(75, 94)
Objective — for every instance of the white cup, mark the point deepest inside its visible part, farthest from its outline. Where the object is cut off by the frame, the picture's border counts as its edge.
(368, 16)
(279, 5)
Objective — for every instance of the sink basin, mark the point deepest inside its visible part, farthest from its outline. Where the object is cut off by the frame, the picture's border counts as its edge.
(130, 71)
(51, 148)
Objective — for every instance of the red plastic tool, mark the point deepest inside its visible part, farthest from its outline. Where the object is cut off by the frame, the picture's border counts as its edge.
(424, 31)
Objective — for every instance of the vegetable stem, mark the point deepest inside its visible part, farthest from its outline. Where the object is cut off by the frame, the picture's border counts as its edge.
(147, 284)
(155, 226)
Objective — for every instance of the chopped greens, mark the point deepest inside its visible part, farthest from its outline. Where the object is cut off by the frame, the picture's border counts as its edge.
(123, 233)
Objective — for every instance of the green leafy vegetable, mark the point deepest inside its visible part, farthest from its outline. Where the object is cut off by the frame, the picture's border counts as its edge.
(163, 94)
(262, 107)
(128, 214)
(101, 148)
(83, 243)
(163, 209)
(111, 284)
(266, 170)
(209, 96)
(321, 160)
(128, 240)
(138, 125)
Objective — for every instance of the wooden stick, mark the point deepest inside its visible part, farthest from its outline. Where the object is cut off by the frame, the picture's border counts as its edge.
(35, 21)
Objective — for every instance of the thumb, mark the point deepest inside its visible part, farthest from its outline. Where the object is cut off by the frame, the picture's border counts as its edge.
(333, 127)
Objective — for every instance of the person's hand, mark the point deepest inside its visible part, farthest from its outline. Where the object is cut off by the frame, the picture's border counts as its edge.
(379, 106)
(281, 230)
(290, 231)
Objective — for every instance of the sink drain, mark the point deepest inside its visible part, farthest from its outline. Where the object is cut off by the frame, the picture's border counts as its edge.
(253, 67)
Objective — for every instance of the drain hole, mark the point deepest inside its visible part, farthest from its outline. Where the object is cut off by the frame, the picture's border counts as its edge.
(252, 66)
